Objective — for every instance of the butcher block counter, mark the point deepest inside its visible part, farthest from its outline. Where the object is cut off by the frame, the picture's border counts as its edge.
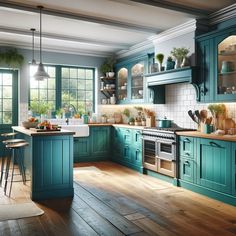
(48, 161)
(197, 134)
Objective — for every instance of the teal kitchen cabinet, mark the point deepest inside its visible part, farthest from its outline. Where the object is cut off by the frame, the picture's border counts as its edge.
(205, 62)
(100, 141)
(127, 147)
(130, 86)
(187, 161)
(234, 169)
(96, 147)
(208, 166)
(216, 58)
(214, 165)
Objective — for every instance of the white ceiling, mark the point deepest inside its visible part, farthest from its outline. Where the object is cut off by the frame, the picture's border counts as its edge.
(94, 27)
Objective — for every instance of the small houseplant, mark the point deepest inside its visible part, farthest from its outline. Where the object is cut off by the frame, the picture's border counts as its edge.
(219, 113)
(107, 67)
(180, 54)
(160, 58)
(170, 64)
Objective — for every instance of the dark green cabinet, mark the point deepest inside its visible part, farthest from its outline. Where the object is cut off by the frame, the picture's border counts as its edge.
(208, 166)
(216, 58)
(127, 147)
(214, 165)
(96, 147)
(187, 169)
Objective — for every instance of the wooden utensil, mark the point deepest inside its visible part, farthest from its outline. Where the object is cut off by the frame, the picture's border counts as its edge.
(203, 115)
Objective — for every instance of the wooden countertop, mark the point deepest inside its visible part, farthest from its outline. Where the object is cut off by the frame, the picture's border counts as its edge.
(29, 132)
(198, 134)
(99, 124)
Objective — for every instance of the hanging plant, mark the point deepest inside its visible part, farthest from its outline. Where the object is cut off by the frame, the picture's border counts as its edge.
(11, 58)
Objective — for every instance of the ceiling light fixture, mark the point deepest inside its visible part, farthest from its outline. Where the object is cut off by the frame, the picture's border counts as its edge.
(41, 74)
(33, 62)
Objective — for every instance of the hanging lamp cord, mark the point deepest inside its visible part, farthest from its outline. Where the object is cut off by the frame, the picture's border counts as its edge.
(40, 31)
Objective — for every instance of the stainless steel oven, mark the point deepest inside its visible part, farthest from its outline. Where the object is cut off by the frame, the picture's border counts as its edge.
(159, 150)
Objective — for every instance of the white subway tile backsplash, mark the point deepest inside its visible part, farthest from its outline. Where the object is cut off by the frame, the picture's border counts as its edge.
(179, 99)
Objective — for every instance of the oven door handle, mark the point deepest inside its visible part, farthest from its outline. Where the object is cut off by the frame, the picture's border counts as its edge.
(164, 141)
(165, 159)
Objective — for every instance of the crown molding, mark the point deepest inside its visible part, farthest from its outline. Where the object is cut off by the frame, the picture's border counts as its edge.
(72, 51)
(180, 30)
(223, 14)
(175, 32)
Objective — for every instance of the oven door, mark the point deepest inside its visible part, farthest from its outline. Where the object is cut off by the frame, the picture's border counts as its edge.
(166, 167)
(166, 150)
(149, 154)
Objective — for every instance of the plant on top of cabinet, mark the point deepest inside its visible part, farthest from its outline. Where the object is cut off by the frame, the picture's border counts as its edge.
(180, 55)
(107, 67)
(160, 58)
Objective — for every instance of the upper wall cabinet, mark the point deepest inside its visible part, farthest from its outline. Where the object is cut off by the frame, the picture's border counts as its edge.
(216, 58)
(131, 84)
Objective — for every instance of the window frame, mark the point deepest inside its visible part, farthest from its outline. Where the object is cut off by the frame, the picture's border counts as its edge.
(58, 84)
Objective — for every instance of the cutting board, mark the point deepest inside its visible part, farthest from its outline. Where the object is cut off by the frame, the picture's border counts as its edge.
(44, 130)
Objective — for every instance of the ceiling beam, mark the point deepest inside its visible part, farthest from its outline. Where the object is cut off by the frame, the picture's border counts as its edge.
(79, 16)
(65, 38)
(175, 7)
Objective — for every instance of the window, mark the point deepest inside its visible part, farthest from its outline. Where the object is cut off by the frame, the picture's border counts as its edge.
(66, 86)
(8, 97)
(77, 88)
(44, 90)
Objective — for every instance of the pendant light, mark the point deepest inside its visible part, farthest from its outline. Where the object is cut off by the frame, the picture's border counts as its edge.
(41, 74)
(33, 62)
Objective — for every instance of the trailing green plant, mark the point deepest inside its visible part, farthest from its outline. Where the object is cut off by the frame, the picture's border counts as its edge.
(131, 119)
(11, 58)
(160, 57)
(180, 53)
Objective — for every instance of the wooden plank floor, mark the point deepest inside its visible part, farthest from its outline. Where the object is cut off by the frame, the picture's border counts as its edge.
(113, 200)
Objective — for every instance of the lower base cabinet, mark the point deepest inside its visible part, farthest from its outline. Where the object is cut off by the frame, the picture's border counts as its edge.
(127, 147)
(96, 147)
(211, 170)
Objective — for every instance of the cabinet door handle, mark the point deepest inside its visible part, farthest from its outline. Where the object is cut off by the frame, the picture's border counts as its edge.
(187, 163)
(187, 153)
(128, 131)
(186, 140)
(214, 144)
(137, 150)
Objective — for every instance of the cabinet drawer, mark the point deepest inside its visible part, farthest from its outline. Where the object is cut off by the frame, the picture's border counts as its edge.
(126, 134)
(187, 169)
(186, 146)
(137, 138)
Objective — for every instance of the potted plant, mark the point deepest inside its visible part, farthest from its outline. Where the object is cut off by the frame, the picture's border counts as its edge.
(107, 67)
(11, 58)
(170, 64)
(160, 58)
(180, 55)
(131, 121)
(59, 113)
(126, 112)
(39, 108)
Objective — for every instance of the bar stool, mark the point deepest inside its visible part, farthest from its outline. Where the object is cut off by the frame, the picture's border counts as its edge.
(15, 148)
(5, 135)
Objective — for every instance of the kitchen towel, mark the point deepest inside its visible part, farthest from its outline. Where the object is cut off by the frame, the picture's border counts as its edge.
(19, 210)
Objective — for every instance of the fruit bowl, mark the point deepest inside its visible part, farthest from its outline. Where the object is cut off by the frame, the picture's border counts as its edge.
(29, 124)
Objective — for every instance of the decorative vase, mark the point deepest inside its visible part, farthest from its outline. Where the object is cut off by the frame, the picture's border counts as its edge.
(178, 63)
(185, 62)
(170, 65)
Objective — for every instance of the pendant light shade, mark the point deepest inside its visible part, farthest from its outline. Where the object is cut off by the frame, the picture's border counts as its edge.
(33, 62)
(41, 74)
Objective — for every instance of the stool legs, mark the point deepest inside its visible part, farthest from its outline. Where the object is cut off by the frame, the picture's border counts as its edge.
(2, 169)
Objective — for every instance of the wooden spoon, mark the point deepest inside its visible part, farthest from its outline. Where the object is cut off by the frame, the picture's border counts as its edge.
(203, 115)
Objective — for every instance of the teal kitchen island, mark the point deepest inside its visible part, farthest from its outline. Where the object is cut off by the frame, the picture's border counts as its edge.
(48, 162)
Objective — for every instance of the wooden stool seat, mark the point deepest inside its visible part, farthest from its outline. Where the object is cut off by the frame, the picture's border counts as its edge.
(9, 134)
(17, 140)
(17, 156)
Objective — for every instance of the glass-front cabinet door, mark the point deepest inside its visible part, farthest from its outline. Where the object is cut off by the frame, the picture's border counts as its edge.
(226, 67)
(137, 74)
(122, 77)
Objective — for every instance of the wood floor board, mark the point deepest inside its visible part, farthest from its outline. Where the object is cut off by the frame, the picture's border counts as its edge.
(114, 200)
(106, 212)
